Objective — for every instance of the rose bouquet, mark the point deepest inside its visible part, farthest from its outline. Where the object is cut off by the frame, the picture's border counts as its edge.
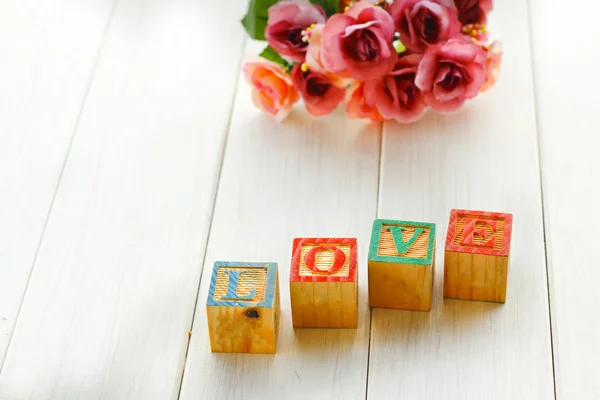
(382, 60)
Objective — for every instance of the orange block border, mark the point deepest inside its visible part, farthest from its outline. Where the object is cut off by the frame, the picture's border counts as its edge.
(297, 251)
(506, 217)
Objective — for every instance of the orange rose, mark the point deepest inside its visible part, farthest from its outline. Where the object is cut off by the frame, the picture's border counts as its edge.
(492, 64)
(272, 89)
(356, 105)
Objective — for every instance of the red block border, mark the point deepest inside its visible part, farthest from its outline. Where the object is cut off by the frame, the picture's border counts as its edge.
(297, 250)
(504, 251)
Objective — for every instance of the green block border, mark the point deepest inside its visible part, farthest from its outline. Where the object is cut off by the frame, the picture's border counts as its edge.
(376, 236)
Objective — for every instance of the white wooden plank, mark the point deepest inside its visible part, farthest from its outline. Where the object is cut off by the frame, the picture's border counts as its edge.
(111, 298)
(48, 51)
(568, 125)
(483, 157)
(305, 177)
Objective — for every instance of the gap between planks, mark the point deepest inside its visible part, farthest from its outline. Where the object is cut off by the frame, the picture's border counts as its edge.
(377, 212)
(223, 150)
(62, 169)
(541, 181)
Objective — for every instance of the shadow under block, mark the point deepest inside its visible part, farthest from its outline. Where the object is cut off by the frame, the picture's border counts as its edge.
(476, 256)
(401, 265)
(243, 307)
(323, 283)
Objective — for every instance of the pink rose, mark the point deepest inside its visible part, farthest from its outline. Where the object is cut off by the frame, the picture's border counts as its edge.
(423, 23)
(451, 73)
(286, 26)
(492, 64)
(473, 11)
(272, 89)
(314, 61)
(357, 106)
(320, 95)
(359, 43)
(396, 94)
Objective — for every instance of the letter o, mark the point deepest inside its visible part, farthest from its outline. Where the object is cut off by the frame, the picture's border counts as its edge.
(339, 259)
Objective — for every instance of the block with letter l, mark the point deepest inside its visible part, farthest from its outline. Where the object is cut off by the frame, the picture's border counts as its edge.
(401, 265)
(323, 283)
(476, 255)
(243, 307)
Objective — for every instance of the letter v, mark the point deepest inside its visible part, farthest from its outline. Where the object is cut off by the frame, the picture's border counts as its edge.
(401, 246)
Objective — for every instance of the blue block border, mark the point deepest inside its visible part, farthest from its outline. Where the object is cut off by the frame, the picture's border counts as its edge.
(269, 290)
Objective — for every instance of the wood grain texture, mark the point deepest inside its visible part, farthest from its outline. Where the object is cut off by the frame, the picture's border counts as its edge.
(401, 286)
(479, 232)
(324, 304)
(568, 126)
(401, 265)
(304, 177)
(324, 283)
(231, 330)
(478, 277)
(234, 282)
(483, 157)
(48, 52)
(324, 260)
(247, 322)
(110, 301)
(476, 255)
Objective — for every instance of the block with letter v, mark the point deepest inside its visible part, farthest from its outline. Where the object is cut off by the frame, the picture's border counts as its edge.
(401, 265)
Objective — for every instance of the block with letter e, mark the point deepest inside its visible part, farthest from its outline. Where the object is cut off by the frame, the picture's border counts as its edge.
(476, 256)
(243, 307)
(324, 283)
(401, 265)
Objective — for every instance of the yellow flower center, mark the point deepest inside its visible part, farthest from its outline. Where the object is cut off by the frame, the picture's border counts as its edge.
(474, 30)
(306, 33)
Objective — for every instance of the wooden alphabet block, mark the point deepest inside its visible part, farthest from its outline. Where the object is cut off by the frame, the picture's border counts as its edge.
(401, 265)
(323, 283)
(243, 307)
(476, 256)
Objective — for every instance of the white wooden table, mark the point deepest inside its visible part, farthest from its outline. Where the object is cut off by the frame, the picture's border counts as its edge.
(131, 158)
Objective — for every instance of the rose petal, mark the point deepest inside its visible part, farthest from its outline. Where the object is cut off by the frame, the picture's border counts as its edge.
(291, 16)
(478, 75)
(378, 14)
(317, 104)
(357, 106)
(443, 95)
(353, 28)
(326, 104)
(426, 72)
(459, 51)
(405, 116)
(358, 7)
(447, 106)
(441, 73)
(283, 11)
(331, 53)
(368, 70)
(282, 114)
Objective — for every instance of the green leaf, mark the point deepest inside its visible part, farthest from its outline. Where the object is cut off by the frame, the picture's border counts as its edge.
(256, 17)
(330, 6)
(271, 55)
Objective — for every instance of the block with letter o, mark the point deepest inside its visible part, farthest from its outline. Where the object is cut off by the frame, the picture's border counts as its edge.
(323, 283)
